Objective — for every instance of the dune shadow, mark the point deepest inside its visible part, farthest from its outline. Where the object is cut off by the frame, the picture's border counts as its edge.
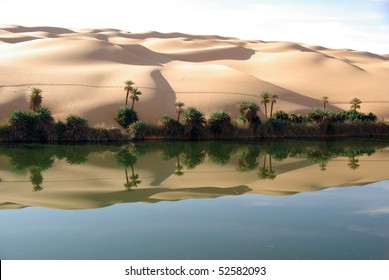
(204, 55)
(148, 195)
(164, 96)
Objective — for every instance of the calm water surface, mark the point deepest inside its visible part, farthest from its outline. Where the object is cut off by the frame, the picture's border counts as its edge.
(279, 200)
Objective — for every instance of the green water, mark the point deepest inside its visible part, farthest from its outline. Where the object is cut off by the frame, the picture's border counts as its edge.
(202, 200)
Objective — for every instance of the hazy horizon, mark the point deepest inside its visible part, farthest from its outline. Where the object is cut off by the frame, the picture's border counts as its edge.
(359, 25)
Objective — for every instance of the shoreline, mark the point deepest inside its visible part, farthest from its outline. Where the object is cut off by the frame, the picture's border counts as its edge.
(95, 136)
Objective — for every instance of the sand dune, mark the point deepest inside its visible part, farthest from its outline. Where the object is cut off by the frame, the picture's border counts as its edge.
(82, 72)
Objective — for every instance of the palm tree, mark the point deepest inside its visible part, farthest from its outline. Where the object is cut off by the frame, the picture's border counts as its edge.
(35, 99)
(219, 122)
(248, 110)
(272, 99)
(355, 103)
(194, 121)
(265, 98)
(134, 96)
(324, 99)
(128, 89)
(179, 109)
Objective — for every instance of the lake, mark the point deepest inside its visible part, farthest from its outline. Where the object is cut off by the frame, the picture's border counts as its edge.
(199, 200)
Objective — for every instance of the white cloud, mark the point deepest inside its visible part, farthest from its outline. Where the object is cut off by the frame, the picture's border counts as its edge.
(340, 26)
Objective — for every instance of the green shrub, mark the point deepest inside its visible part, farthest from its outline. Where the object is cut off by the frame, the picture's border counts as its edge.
(194, 122)
(281, 115)
(125, 116)
(220, 122)
(297, 119)
(338, 116)
(137, 129)
(318, 115)
(76, 128)
(21, 124)
(4, 132)
(276, 124)
(249, 110)
(171, 128)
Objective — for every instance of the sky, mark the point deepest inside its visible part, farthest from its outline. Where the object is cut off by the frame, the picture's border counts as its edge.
(353, 24)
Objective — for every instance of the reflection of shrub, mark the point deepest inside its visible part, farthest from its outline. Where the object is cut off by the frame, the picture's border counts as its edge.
(219, 154)
(125, 116)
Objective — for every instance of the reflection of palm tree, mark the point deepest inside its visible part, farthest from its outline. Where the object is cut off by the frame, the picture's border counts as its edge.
(353, 163)
(127, 158)
(323, 165)
(36, 178)
(134, 180)
(247, 160)
(267, 173)
(179, 167)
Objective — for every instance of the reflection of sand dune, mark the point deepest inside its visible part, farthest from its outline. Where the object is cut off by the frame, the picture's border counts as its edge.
(100, 182)
(82, 71)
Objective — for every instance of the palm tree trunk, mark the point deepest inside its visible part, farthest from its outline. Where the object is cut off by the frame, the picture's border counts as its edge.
(125, 170)
(127, 97)
(270, 164)
(133, 103)
(265, 110)
(264, 162)
(132, 171)
(271, 109)
(178, 117)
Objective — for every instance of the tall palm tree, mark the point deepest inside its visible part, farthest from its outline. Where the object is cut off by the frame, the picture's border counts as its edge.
(355, 103)
(179, 109)
(324, 99)
(134, 96)
(265, 99)
(273, 99)
(128, 87)
(35, 99)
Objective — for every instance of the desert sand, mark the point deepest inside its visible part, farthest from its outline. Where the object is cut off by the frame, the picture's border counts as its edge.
(83, 72)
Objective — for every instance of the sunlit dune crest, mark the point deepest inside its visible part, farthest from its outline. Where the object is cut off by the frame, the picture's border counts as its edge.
(82, 72)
